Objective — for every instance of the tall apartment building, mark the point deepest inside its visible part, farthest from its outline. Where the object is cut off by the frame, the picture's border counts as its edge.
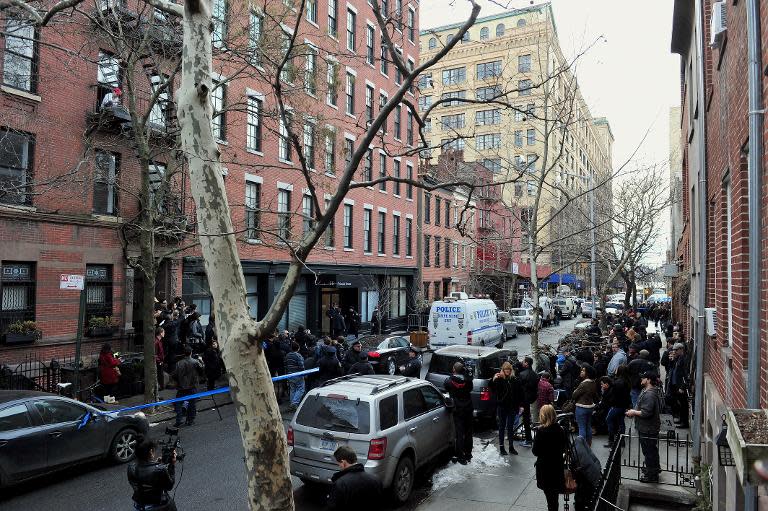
(52, 125)
(515, 57)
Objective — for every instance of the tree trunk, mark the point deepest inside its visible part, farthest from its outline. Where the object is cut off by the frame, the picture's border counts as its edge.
(261, 426)
(148, 333)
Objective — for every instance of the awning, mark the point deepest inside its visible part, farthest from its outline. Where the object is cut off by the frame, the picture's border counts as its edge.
(569, 279)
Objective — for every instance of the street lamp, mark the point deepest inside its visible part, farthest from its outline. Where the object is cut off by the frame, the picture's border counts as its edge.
(724, 453)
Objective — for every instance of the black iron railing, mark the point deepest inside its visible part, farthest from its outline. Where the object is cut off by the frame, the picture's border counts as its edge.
(675, 459)
(608, 490)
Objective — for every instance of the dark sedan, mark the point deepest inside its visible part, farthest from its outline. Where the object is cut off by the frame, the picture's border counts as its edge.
(42, 433)
(386, 353)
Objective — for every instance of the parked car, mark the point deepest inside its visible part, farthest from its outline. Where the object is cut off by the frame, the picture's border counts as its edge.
(567, 306)
(386, 353)
(509, 324)
(614, 308)
(459, 319)
(481, 363)
(523, 317)
(42, 433)
(394, 424)
(586, 309)
(547, 309)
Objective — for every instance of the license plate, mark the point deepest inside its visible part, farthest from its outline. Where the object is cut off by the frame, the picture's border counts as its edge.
(328, 445)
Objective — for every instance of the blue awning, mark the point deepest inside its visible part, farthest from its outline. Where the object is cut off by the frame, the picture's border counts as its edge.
(569, 279)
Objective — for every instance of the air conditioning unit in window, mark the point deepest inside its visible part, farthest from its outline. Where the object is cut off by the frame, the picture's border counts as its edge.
(710, 314)
(718, 23)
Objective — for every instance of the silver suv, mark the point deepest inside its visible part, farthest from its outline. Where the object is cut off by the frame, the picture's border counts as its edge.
(394, 424)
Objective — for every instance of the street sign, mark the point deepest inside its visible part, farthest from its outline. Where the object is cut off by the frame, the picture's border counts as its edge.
(75, 282)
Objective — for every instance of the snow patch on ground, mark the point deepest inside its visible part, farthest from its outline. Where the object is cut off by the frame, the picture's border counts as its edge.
(484, 455)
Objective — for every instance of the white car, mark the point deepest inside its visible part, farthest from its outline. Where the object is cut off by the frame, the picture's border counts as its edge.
(567, 306)
(614, 308)
(523, 317)
(509, 324)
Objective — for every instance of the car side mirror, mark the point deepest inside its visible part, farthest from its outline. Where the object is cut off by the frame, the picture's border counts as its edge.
(449, 404)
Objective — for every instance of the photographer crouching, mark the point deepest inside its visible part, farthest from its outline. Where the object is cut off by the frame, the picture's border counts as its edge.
(152, 478)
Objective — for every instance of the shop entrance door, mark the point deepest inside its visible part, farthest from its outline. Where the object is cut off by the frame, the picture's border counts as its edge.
(328, 297)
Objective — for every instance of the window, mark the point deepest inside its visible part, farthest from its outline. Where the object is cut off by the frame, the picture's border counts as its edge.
(351, 29)
(367, 230)
(309, 144)
(350, 91)
(252, 209)
(432, 44)
(330, 151)
(524, 87)
(463, 255)
(518, 138)
(349, 148)
(456, 144)
(438, 249)
(332, 95)
(465, 37)
(383, 171)
(105, 183)
(447, 253)
(370, 35)
(310, 71)
(438, 209)
(427, 238)
(489, 70)
(369, 102)
(409, 127)
(452, 122)
(397, 122)
(531, 188)
(524, 63)
(218, 99)
(398, 303)
(333, 18)
(16, 417)
(521, 22)
(398, 73)
(411, 25)
(454, 76)
(288, 72)
(427, 208)
(20, 59)
(108, 71)
(409, 176)
(500, 30)
(384, 61)
(531, 163)
(459, 94)
(425, 81)
(408, 237)
(488, 141)
(98, 291)
(531, 137)
(348, 225)
(455, 254)
(18, 282)
(488, 117)
(424, 103)
(396, 173)
(395, 235)
(388, 412)
(518, 189)
(284, 142)
(488, 93)
(16, 156)
(312, 11)
(54, 411)
(284, 213)
(448, 213)
(330, 231)
(157, 175)
(255, 29)
(425, 287)
(519, 114)
(253, 136)
(484, 34)
(413, 404)
(382, 231)
(368, 166)
(382, 103)
(492, 164)
(219, 21)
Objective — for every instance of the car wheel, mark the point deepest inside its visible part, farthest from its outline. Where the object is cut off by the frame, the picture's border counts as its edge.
(124, 446)
(391, 366)
(402, 484)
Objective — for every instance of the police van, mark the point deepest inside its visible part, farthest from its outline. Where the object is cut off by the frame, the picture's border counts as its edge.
(459, 319)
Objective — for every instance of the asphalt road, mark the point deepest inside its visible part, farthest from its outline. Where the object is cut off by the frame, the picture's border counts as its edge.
(211, 477)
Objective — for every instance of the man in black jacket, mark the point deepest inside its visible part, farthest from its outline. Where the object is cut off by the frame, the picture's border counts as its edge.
(186, 377)
(152, 480)
(412, 368)
(329, 365)
(361, 367)
(352, 356)
(459, 387)
(530, 383)
(352, 488)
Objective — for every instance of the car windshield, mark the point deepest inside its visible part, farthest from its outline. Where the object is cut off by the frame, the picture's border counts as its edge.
(335, 414)
(443, 364)
(383, 345)
(519, 312)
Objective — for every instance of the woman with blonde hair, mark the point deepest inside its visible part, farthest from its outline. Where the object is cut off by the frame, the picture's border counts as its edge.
(509, 403)
(549, 446)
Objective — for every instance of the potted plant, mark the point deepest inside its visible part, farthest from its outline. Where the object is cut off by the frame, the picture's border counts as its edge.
(101, 326)
(22, 331)
(748, 439)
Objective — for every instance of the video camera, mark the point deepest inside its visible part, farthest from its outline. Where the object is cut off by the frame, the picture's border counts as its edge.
(171, 444)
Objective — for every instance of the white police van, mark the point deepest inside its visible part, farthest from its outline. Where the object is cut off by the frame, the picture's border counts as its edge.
(463, 320)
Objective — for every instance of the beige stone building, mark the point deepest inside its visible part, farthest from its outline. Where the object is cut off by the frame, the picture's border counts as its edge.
(510, 100)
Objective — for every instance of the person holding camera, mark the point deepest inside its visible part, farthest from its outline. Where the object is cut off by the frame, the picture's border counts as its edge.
(151, 479)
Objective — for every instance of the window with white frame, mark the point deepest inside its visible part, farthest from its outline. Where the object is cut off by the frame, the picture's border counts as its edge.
(330, 231)
(454, 76)
(409, 237)
(382, 232)
(350, 93)
(382, 103)
(254, 113)
(450, 96)
(20, 60)
(452, 122)
(524, 87)
(311, 7)
(409, 127)
(351, 30)
(218, 99)
(348, 223)
(488, 141)
(309, 144)
(396, 235)
(159, 113)
(330, 151)
(105, 182)
(396, 173)
(252, 209)
(368, 165)
(369, 102)
(489, 70)
(307, 213)
(349, 148)
(255, 30)
(531, 137)
(488, 117)
(331, 77)
(370, 38)
(383, 171)
(284, 142)
(409, 176)
(524, 63)
(333, 18)
(384, 57)
(219, 21)
(284, 213)
(518, 138)
(367, 230)
(398, 112)
(288, 71)
(310, 70)
(411, 23)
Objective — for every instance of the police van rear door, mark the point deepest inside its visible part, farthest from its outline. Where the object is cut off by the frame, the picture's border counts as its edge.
(447, 323)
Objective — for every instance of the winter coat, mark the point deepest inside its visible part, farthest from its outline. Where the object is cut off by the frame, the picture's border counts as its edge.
(585, 395)
(542, 363)
(621, 390)
(549, 446)
(353, 323)
(337, 321)
(649, 404)
(459, 387)
(171, 331)
(294, 362)
(351, 358)
(412, 368)
(546, 393)
(586, 463)
(353, 488)
(108, 372)
(530, 383)
(214, 365)
(618, 358)
(585, 356)
(508, 392)
(569, 372)
(185, 373)
(195, 333)
(361, 368)
(329, 367)
(159, 351)
(210, 332)
(636, 368)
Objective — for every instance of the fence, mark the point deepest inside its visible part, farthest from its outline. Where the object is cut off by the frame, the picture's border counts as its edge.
(608, 490)
(674, 458)
(31, 373)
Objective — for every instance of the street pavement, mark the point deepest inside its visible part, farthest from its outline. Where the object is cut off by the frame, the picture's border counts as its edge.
(212, 476)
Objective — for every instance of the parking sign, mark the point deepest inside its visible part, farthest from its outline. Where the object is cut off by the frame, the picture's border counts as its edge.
(75, 282)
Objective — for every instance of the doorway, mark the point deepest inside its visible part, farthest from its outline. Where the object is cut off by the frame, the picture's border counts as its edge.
(343, 298)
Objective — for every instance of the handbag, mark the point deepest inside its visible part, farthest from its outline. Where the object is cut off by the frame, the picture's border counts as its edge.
(570, 482)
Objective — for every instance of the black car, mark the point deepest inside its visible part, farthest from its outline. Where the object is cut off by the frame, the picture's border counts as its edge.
(42, 433)
(386, 353)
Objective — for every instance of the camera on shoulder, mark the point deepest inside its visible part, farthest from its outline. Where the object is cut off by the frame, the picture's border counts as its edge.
(170, 444)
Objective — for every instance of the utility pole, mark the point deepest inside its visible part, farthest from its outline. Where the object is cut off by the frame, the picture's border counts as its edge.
(592, 256)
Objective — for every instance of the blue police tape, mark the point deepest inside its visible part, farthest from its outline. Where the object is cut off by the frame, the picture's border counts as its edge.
(198, 395)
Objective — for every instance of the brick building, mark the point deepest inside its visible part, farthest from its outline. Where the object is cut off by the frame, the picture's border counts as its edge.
(718, 119)
(52, 225)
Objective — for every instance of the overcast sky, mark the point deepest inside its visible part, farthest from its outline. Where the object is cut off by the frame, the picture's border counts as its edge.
(631, 78)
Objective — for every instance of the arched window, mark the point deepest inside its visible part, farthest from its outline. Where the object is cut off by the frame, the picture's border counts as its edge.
(465, 37)
(521, 22)
(484, 33)
(500, 30)
(432, 43)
